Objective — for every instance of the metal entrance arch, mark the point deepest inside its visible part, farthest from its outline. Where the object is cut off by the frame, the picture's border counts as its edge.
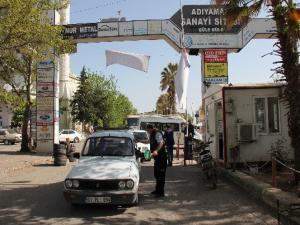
(198, 28)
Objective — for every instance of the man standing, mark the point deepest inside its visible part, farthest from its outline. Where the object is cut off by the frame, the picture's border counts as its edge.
(157, 147)
(169, 140)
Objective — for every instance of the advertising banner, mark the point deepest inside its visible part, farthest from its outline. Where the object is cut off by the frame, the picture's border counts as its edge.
(84, 30)
(108, 29)
(140, 27)
(47, 89)
(45, 103)
(171, 31)
(215, 66)
(45, 118)
(215, 69)
(215, 56)
(45, 132)
(154, 27)
(126, 28)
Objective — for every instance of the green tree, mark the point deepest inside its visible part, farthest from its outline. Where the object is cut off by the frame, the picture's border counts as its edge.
(167, 83)
(286, 17)
(162, 104)
(104, 106)
(79, 105)
(26, 36)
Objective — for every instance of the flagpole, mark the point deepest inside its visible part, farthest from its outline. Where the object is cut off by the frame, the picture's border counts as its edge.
(182, 27)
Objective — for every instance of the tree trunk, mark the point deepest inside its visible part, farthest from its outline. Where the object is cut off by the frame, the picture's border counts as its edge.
(290, 70)
(25, 137)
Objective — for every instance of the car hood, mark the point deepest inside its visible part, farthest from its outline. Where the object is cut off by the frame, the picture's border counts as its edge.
(104, 168)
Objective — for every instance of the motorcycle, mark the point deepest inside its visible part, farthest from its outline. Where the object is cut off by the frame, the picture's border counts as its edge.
(207, 162)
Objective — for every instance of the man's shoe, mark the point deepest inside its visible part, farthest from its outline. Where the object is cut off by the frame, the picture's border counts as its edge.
(153, 193)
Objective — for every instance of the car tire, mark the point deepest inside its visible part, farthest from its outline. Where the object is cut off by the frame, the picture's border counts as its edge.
(76, 140)
(12, 143)
(6, 142)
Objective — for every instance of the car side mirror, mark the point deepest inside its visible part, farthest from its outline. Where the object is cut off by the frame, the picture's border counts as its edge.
(76, 155)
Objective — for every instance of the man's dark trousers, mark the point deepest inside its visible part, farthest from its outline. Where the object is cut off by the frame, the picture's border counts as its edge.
(170, 155)
(160, 166)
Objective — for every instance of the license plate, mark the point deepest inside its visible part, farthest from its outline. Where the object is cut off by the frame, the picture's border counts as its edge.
(96, 200)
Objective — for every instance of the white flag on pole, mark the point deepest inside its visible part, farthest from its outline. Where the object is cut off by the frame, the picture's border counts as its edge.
(136, 61)
(181, 79)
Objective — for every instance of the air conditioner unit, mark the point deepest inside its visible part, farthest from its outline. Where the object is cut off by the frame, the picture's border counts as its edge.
(247, 132)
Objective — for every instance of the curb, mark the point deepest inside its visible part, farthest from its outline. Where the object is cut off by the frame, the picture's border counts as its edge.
(263, 192)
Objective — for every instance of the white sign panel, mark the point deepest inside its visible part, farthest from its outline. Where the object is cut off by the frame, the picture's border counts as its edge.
(217, 80)
(171, 31)
(45, 74)
(126, 28)
(140, 27)
(45, 103)
(46, 89)
(213, 41)
(45, 132)
(258, 26)
(45, 118)
(154, 27)
(108, 29)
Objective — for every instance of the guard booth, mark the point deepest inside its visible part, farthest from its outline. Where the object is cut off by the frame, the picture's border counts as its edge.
(250, 116)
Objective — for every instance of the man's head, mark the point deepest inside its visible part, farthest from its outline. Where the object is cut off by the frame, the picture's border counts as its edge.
(149, 128)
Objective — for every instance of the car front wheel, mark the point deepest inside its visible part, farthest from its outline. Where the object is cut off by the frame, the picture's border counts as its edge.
(6, 142)
(76, 140)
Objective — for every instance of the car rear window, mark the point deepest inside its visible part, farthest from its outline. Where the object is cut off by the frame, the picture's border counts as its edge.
(108, 146)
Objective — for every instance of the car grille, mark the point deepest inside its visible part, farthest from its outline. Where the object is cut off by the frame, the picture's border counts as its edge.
(100, 185)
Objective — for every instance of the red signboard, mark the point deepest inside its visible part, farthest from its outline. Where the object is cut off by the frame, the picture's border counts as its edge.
(215, 56)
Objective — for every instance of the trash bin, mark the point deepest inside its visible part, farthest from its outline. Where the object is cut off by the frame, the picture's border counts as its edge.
(59, 155)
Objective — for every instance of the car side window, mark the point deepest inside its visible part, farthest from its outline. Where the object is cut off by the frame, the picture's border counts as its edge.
(71, 132)
(65, 132)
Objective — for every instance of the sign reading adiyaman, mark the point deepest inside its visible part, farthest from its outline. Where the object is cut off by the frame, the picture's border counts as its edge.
(203, 19)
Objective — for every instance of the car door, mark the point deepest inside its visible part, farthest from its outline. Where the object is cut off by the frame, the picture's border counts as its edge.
(63, 135)
(72, 135)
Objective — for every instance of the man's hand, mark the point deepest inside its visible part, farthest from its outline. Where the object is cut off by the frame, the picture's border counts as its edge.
(155, 153)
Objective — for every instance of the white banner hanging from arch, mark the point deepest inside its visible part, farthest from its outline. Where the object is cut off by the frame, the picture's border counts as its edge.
(132, 60)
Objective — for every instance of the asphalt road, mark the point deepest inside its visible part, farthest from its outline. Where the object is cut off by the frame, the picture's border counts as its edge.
(34, 196)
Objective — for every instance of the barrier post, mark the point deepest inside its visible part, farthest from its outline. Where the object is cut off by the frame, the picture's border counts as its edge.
(274, 173)
(177, 149)
(68, 145)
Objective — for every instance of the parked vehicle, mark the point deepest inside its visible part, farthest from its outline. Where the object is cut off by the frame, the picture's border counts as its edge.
(176, 122)
(8, 136)
(73, 136)
(107, 171)
(140, 137)
(204, 157)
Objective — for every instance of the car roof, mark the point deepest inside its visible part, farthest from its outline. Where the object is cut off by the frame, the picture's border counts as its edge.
(113, 133)
(141, 131)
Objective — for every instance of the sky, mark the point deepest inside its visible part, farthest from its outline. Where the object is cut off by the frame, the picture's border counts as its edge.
(252, 64)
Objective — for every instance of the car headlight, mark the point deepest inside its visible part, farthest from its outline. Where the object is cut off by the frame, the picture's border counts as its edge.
(129, 184)
(75, 183)
(68, 183)
(122, 184)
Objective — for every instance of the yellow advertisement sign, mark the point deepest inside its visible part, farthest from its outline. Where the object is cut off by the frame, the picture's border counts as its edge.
(215, 70)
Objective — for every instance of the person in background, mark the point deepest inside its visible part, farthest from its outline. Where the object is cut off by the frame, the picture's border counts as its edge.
(157, 147)
(169, 140)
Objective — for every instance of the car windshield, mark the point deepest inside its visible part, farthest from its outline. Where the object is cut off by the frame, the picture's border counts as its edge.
(140, 136)
(108, 146)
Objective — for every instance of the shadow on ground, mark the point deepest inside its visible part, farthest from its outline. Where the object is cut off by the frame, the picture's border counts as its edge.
(188, 201)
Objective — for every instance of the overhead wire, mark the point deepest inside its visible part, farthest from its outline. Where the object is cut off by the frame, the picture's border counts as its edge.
(103, 5)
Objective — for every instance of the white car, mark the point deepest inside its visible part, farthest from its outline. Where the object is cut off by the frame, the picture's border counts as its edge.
(107, 171)
(141, 136)
(73, 136)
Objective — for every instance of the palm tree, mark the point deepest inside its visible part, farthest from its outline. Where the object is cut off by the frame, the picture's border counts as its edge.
(162, 104)
(286, 17)
(167, 83)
